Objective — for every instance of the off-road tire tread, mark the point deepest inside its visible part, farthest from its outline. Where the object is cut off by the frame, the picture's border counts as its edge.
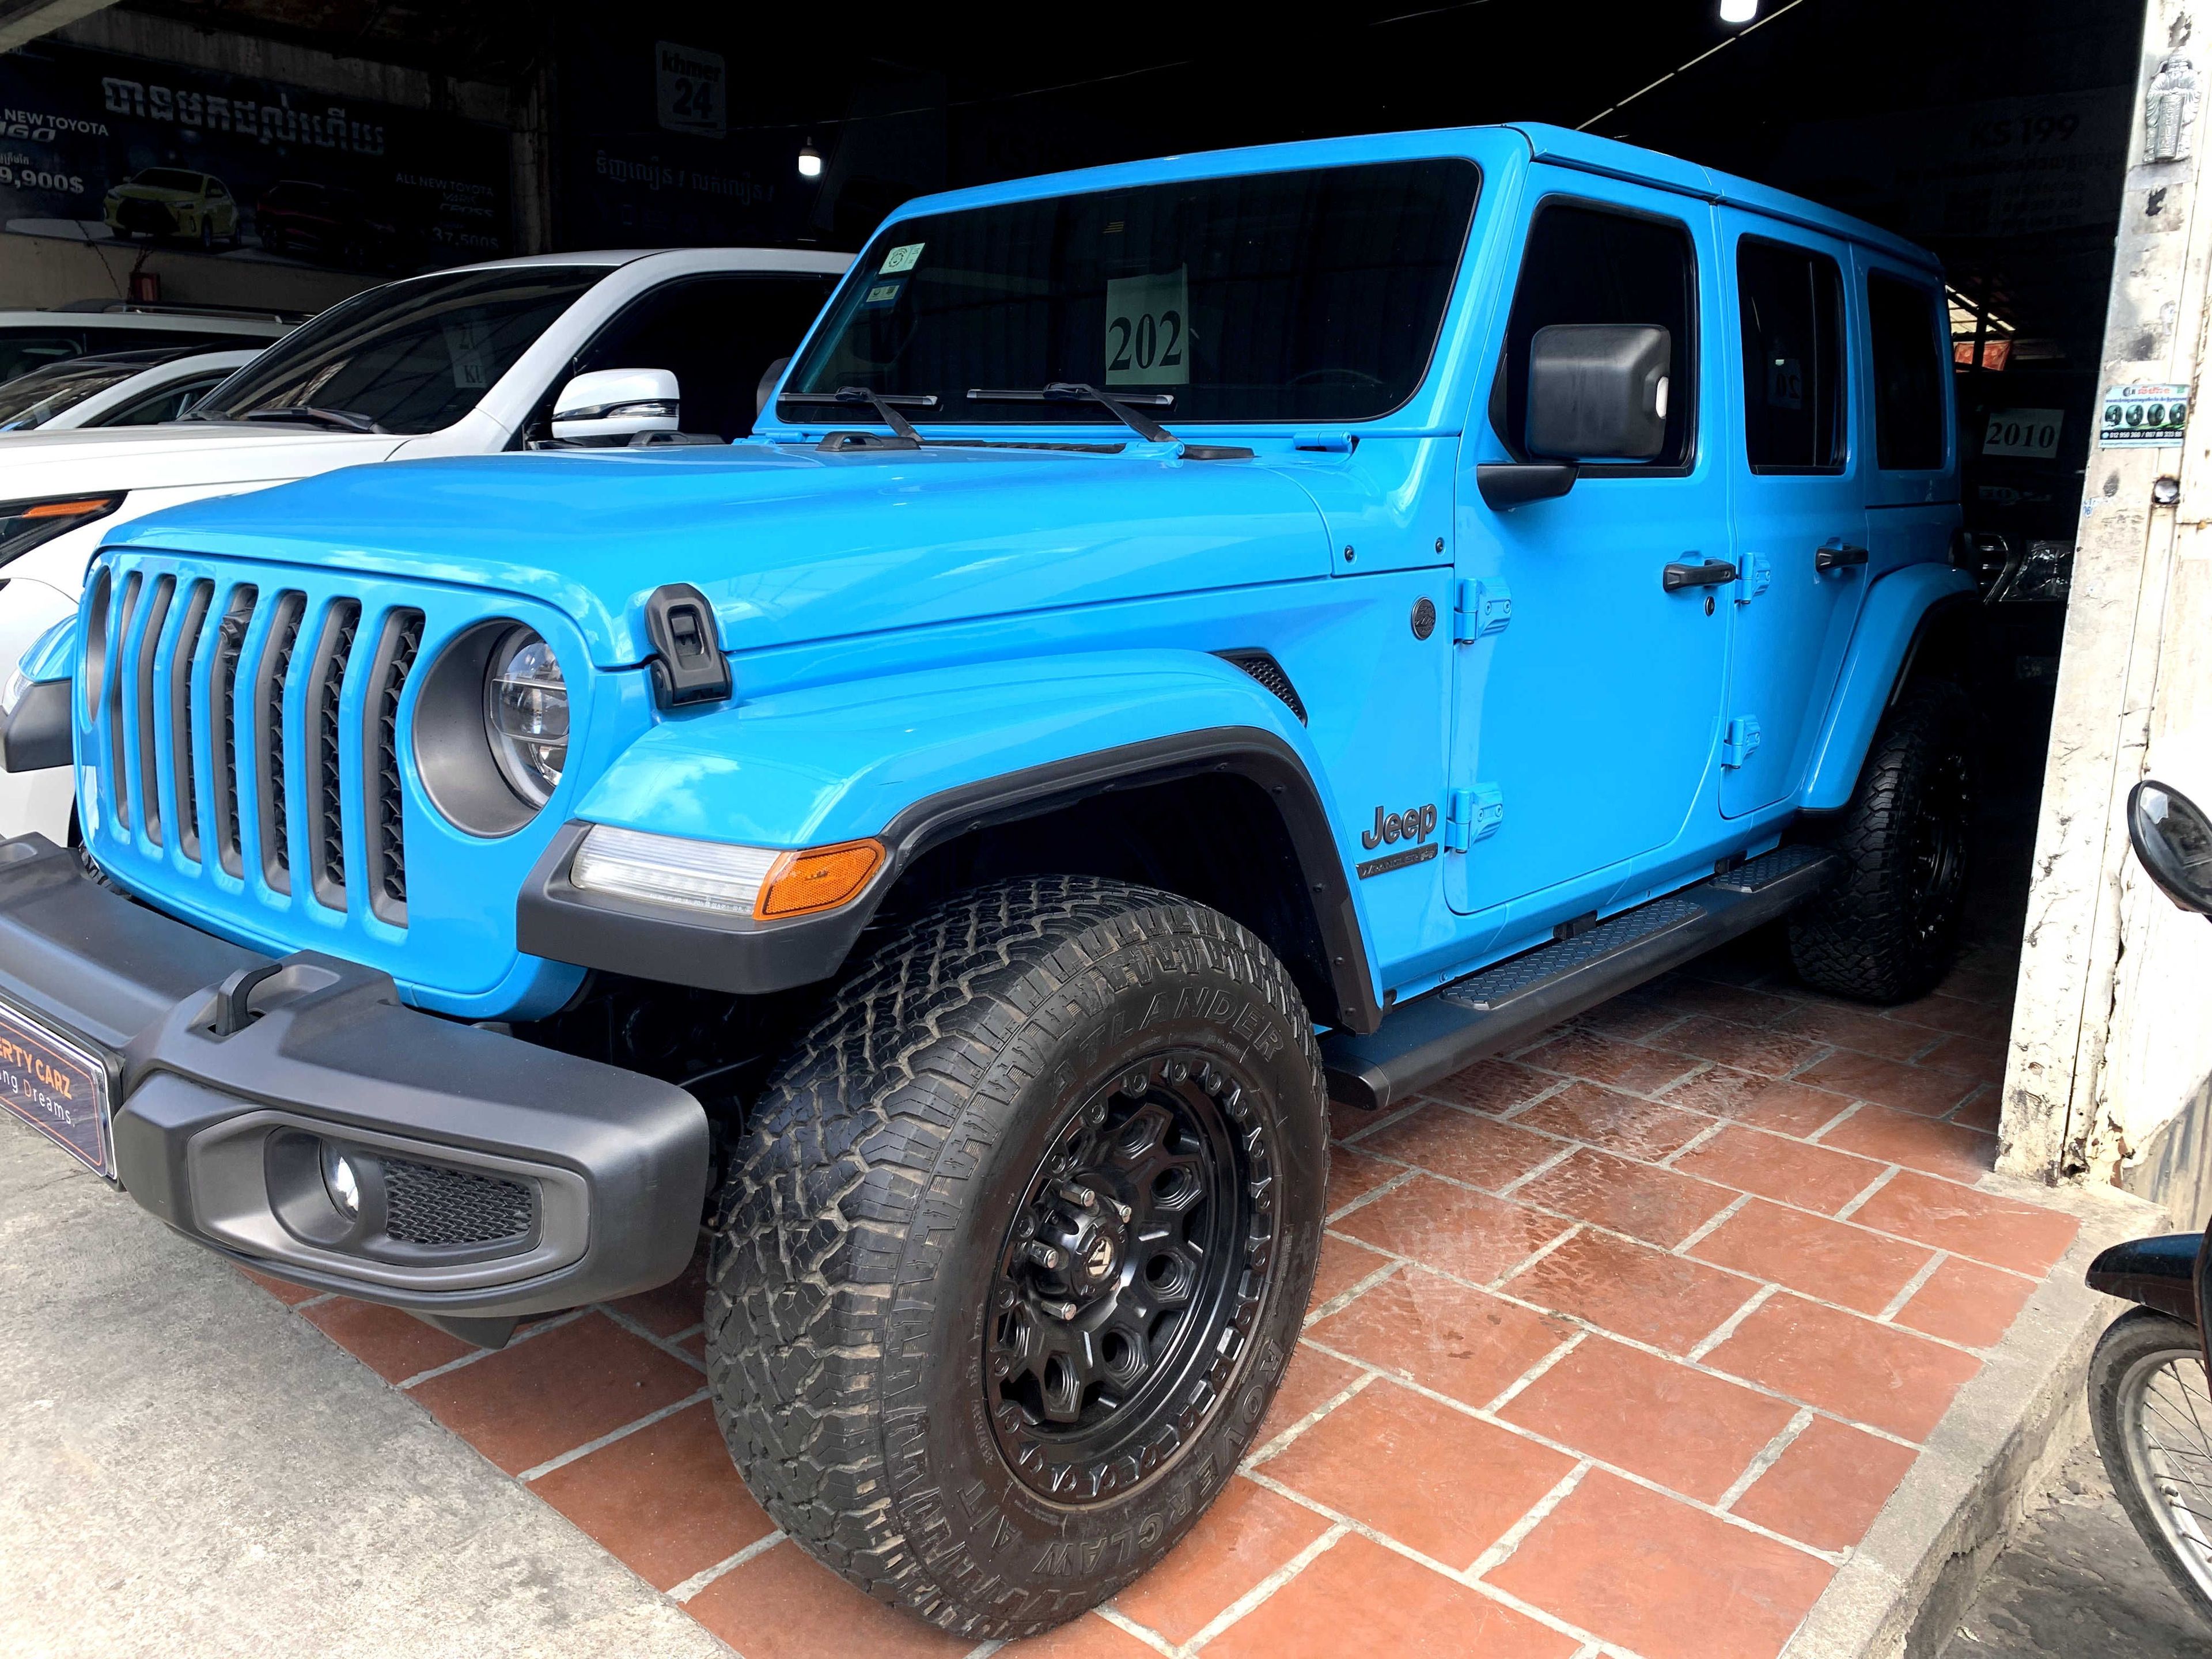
(821, 1248)
(2138, 1332)
(1854, 940)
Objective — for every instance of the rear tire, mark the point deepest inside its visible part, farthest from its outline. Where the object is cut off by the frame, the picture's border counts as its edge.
(1016, 1246)
(1887, 929)
(2149, 1407)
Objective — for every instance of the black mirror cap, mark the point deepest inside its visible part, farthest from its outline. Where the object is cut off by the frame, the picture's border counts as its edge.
(2173, 840)
(1597, 391)
(1508, 484)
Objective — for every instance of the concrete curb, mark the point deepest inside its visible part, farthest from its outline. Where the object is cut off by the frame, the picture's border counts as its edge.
(1903, 1590)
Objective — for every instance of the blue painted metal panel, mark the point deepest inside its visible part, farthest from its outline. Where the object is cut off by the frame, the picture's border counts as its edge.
(1894, 609)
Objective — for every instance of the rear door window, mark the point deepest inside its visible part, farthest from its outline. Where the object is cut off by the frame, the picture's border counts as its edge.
(1908, 373)
(1588, 265)
(1791, 302)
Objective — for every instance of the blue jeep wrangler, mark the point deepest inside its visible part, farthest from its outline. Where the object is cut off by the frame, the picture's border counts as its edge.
(1191, 641)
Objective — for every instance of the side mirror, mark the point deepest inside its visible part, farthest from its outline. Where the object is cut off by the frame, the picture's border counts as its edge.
(766, 389)
(1597, 391)
(610, 404)
(2174, 839)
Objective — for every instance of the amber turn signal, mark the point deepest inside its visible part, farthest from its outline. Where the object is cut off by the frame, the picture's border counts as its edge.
(819, 879)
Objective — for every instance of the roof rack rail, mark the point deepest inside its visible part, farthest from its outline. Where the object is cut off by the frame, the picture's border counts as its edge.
(254, 313)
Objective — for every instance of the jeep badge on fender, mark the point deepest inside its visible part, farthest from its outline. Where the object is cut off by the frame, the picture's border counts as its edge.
(1414, 823)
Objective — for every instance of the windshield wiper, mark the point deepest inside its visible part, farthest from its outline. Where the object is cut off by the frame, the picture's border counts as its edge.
(885, 403)
(344, 420)
(1075, 391)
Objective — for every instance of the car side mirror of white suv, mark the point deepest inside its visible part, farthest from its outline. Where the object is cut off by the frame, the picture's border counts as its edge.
(610, 405)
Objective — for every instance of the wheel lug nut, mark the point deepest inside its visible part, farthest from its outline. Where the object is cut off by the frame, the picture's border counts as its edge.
(1026, 1227)
(1135, 1084)
(1045, 1256)
(1006, 1298)
(1098, 1114)
(1121, 1209)
(1081, 1197)
(1058, 1309)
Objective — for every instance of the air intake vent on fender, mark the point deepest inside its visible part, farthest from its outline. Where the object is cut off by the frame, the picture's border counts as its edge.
(1263, 667)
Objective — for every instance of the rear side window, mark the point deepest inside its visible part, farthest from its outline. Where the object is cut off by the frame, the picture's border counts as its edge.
(1585, 265)
(1792, 304)
(1908, 375)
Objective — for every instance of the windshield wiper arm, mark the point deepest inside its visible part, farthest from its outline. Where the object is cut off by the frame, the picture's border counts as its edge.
(343, 419)
(1075, 391)
(885, 403)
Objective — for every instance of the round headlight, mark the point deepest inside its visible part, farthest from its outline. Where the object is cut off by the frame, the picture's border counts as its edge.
(526, 715)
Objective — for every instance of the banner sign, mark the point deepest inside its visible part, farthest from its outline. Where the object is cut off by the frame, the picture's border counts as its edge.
(98, 147)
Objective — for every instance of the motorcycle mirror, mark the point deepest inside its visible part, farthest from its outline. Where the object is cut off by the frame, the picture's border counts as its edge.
(2174, 839)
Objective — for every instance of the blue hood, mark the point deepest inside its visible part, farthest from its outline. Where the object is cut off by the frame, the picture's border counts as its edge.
(790, 544)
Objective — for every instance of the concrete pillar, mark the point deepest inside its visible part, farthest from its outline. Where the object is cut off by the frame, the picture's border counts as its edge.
(2112, 1038)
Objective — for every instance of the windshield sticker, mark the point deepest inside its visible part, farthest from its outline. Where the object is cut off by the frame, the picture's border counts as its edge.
(1148, 328)
(469, 345)
(901, 258)
(881, 295)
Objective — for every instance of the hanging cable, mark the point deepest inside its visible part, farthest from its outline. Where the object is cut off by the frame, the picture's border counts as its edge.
(1683, 69)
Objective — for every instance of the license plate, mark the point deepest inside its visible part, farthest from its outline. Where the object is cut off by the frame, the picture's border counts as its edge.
(58, 1085)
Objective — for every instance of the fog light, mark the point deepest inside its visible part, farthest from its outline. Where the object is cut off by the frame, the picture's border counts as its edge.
(340, 1182)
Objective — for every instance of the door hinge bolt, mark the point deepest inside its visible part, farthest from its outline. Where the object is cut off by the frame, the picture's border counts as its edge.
(1482, 606)
(1740, 742)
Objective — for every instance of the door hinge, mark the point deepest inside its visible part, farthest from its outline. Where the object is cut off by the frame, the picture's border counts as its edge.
(1483, 607)
(1742, 741)
(1474, 815)
(1753, 577)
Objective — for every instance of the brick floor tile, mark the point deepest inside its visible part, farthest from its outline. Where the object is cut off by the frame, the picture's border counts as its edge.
(1248, 1534)
(1774, 1166)
(1091, 1636)
(1606, 1059)
(1735, 1002)
(290, 1295)
(1856, 1029)
(782, 1604)
(1311, 1378)
(695, 1345)
(1980, 1058)
(666, 1500)
(1830, 1260)
(1492, 1085)
(1445, 1483)
(1654, 1417)
(1940, 1012)
(1917, 1142)
(1439, 1333)
(1345, 1121)
(1965, 1302)
(550, 1394)
(1618, 1122)
(1470, 1234)
(1746, 1048)
(675, 1306)
(1790, 1109)
(1889, 1082)
(1648, 1572)
(1871, 1373)
(396, 1346)
(1828, 1486)
(1980, 1112)
(1466, 1145)
(1656, 1205)
(1981, 1225)
(1352, 1174)
(1342, 1265)
(1668, 1301)
(1358, 1600)
(1631, 1017)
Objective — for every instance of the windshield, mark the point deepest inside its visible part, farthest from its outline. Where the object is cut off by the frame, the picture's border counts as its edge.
(413, 356)
(1281, 296)
(32, 400)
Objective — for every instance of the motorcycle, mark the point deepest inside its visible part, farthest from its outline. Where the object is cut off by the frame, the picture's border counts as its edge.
(2149, 1405)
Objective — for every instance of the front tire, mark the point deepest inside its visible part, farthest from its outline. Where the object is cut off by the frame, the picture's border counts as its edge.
(1886, 931)
(2149, 1409)
(1016, 1247)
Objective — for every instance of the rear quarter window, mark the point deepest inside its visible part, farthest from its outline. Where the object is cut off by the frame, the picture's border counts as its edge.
(1908, 373)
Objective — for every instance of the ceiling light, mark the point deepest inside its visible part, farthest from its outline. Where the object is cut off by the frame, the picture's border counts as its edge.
(810, 158)
(1739, 11)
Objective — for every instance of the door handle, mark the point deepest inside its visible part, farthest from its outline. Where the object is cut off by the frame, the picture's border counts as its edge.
(1838, 555)
(1713, 572)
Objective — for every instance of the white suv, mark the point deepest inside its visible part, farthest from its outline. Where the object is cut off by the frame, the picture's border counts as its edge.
(461, 363)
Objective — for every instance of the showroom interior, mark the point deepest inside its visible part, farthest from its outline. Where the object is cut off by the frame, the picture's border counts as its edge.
(365, 140)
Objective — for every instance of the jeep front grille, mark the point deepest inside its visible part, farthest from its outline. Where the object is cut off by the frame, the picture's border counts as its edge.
(226, 717)
(433, 1205)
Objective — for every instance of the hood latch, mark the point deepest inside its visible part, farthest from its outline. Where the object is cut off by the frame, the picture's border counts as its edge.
(687, 662)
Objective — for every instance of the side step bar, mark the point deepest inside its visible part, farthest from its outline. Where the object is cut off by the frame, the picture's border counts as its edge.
(1502, 1006)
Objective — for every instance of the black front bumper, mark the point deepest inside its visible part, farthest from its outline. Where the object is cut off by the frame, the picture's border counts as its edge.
(496, 1178)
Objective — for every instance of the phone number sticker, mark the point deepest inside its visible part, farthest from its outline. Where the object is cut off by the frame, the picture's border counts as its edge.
(2143, 414)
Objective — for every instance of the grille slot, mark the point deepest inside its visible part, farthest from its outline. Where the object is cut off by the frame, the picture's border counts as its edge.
(386, 849)
(326, 804)
(222, 680)
(142, 682)
(183, 663)
(269, 735)
(119, 770)
(1262, 666)
(431, 1204)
